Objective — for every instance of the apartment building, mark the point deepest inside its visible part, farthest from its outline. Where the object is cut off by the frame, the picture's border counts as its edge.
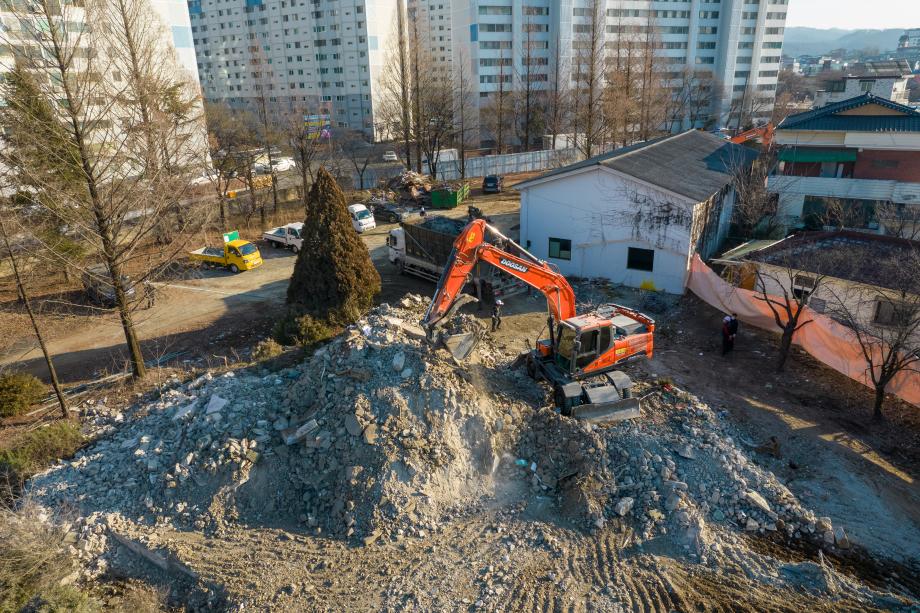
(321, 56)
(432, 18)
(738, 41)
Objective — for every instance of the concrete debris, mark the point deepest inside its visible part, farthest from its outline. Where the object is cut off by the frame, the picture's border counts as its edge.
(378, 437)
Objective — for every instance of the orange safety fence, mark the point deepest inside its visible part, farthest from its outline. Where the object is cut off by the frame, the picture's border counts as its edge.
(826, 340)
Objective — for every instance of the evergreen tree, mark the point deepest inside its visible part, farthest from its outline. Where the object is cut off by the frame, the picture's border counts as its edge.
(334, 279)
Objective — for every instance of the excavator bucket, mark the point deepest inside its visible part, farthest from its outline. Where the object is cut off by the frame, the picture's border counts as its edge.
(608, 412)
(460, 345)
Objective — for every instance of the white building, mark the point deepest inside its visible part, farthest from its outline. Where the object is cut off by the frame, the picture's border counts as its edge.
(739, 41)
(883, 79)
(433, 20)
(324, 57)
(638, 214)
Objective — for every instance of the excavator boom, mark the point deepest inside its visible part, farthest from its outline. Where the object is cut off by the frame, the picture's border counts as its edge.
(471, 247)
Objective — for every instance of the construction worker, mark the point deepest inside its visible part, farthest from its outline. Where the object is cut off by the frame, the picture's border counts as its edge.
(497, 315)
(728, 339)
(421, 213)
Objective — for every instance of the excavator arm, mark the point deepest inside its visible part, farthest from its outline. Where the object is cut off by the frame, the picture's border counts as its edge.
(471, 247)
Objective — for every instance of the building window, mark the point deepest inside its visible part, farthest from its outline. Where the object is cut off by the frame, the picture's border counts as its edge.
(891, 313)
(866, 85)
(560, 248)
(884, 163)
(640, 259)
(802, 287)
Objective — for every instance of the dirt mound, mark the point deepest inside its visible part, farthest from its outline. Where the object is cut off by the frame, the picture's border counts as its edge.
(378, 437)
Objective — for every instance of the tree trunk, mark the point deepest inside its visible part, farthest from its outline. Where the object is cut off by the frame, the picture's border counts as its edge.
(52, 373)
(303, 187)
(879, 400)
(785, 344)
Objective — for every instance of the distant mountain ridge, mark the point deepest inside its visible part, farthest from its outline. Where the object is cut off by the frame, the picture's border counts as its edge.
(816, 41)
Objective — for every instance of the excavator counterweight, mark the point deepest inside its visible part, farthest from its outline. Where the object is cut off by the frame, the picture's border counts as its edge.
(580, 358)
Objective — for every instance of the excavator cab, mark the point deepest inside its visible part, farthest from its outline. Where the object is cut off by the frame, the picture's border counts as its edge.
(577, 348)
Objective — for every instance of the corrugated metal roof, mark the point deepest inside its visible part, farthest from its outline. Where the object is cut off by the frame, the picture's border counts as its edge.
(693, 164)
(826, 118)
(744, 249)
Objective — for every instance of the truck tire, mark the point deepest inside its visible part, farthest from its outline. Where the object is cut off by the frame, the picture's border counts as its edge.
(392, 218)
(295, 249)
(234, 269)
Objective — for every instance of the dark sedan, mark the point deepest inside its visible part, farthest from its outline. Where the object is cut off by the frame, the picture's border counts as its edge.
(390, 212)
(492, 184)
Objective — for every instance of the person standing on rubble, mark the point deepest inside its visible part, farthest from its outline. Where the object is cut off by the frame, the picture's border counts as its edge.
(497, 315)
(728, 339)
(733, 328)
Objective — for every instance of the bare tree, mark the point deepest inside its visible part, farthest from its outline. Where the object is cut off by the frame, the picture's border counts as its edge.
(899, 219)
(589, 78)
(692, 99)
(528, 101)
(785, 283)
(107, 127)
(357, 151)
(885, 320)
(24, 297)
(306, 141)
(558, 96)
(498, 107)
(466, 126)
(755, 208)
(227, 140)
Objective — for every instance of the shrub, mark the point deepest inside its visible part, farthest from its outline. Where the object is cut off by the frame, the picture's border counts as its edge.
(30, 452)
(266, 349)
(34, 561)
(301, 329)
(19, 391)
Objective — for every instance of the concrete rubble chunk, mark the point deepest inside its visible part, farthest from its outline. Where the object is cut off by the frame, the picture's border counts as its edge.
(399, 361)
(624, 506)
(183, 411)
(215, 404)
(370, 434)
(352, 425)
(758, 501)
(686, 451)
(841, 538)
(292, 435)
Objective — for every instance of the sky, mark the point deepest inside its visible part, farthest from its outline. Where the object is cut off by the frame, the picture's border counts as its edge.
(851, 14)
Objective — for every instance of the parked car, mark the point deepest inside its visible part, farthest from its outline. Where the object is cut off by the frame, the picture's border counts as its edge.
(390, 212)
(492, 184)
(390, 156)
(205, 178)
(97, 283)
(283, 164)
(361, 218)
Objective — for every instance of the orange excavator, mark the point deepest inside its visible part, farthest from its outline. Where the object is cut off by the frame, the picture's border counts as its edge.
(581, 355)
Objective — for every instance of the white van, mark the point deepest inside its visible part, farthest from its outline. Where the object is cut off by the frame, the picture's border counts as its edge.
(361, 218)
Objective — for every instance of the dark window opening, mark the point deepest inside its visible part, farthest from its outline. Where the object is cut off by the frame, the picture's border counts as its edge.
(640, 259)
(560, 248)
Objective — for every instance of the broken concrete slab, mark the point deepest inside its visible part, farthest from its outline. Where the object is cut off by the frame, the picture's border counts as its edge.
(215, 404)
(292, 435)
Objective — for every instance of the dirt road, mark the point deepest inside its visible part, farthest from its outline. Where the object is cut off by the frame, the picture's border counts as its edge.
(212, 314)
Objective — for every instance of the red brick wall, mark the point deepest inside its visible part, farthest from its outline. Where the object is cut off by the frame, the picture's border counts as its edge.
(907, 168)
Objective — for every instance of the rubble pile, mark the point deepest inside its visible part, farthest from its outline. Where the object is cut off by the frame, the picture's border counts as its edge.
(410, 187)
(377, 436)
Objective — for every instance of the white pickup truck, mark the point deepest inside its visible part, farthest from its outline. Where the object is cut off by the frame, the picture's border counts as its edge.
(285, 236)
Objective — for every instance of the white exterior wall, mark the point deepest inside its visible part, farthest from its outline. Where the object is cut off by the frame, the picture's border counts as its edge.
(594, 208)
(892, 88)
(747, 38)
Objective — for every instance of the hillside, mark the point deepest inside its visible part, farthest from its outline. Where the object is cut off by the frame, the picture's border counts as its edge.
(814, 41)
